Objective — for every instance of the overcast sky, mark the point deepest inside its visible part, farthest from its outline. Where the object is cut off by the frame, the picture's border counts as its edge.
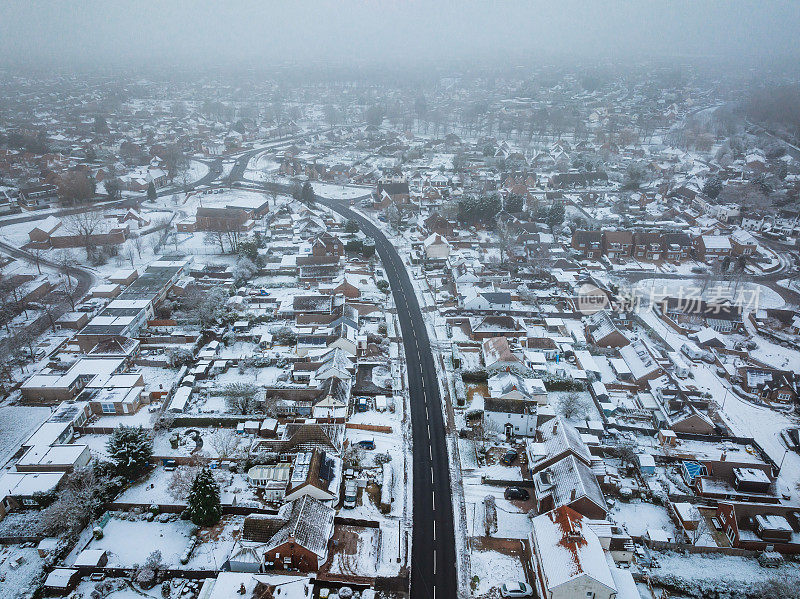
(255, 33)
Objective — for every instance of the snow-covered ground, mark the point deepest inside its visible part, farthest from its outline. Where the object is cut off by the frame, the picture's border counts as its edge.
(638, 518)
(751, 296)
(493, 569)
(19, 581)
(131, 542)
(340, 192)
(731, 569)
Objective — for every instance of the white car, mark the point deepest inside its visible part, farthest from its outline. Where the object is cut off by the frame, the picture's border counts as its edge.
(516, 589)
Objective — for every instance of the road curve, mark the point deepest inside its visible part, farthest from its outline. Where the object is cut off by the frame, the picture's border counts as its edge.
(433, 559)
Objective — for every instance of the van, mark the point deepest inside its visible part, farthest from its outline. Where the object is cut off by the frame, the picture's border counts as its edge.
(691, 351)
(681, 369)
(350, 493)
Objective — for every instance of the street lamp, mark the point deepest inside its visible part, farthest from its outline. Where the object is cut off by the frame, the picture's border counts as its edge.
(785, 451)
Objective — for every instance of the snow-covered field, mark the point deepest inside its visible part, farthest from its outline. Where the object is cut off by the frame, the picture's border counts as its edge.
(727, 568)
(343, 192)
(750, 295)
(19, 582)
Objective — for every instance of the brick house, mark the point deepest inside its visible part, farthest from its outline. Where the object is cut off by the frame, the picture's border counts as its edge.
(759, 526)
(221, 219)
(713, 247)
(677, 247)
(743, 243)
(647, 247)
(588, 243)
(617, 244)
(326, 244)
(298, 542)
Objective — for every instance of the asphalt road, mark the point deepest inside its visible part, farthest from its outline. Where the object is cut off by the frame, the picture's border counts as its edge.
(433, 555)
(85, 279)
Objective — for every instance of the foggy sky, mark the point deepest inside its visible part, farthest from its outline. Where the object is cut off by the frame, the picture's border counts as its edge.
(259, 33)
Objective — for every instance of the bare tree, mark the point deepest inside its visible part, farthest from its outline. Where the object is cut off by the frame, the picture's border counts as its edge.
(241, 398)
(65, 261)
(137, 242)
(225, 442)
(37, 254)
(215, 237)
(572, 405)
(84, 225)
(698, 533)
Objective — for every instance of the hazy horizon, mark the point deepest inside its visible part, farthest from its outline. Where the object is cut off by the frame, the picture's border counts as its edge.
(355, 32)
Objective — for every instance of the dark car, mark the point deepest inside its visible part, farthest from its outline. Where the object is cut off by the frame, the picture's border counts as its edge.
(516, 493)
(509, 457)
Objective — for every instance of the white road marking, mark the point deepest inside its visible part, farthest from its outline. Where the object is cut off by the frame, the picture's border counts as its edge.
(434, 561)
(433, 500)
(434, 530)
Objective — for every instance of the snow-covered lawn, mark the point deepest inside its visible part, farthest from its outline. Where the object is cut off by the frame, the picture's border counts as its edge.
(130, 542)
(750, 295)
(727, 568)
(18, 582)
(339, 192)
(639, 517)
(493, 569)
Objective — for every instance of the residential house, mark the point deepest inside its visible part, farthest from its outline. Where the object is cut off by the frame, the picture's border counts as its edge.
(617, 244)
(299, 541)
(647, 247)
(713, 247)
(436, 247)
(497, 355)
(495, 301)
(589, 244)
(570, 561)
(760, 527)
(326, 244)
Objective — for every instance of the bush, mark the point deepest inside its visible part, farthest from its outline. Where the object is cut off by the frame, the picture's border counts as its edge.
(475, 376)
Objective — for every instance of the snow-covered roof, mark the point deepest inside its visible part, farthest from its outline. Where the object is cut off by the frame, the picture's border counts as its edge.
(567, 549)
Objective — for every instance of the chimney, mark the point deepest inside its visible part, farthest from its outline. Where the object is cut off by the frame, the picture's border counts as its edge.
(723, 456)
(572, 494)
(555, 427)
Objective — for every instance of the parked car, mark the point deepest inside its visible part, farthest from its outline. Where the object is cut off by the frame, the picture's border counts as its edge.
(509, 457)
(516, 493)
(516, 589)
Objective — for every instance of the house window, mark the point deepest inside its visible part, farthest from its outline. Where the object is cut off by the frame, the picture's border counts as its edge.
(784, 396)
(108, 408)
(29, 502)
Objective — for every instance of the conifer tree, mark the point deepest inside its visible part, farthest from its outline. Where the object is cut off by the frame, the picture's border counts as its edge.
(204, 508)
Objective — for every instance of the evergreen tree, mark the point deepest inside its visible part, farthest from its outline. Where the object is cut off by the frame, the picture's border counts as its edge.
(712, 187)
(514, 203)
(130, 449)
(307, 195)
(151, 192)
(204, 508)
(555, 216)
